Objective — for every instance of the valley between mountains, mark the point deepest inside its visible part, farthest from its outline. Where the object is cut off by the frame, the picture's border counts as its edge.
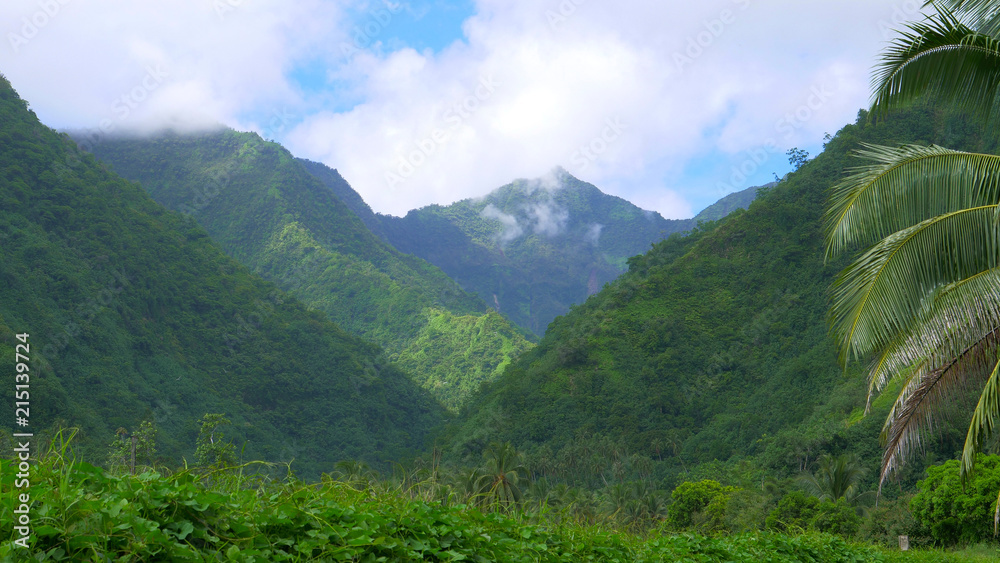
(542, 357)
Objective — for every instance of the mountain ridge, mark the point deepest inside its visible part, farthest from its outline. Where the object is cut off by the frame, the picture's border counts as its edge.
(712, 349)
(532, 248)
(270, 211)
(135, 314)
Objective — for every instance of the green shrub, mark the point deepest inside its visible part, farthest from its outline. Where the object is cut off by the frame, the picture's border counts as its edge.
(747, 510)
(835, 518)
(700, 504)
(884, 524)
(82, 513)
(794, 512)
(957, 514)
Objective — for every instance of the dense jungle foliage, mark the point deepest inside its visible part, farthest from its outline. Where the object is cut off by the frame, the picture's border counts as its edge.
(135, 314)
(692, 409)
(266, 209)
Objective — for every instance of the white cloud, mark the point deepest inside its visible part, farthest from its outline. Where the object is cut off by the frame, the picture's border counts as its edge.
(511, 228)
(558, 88)
(547, 218)
(522, 92)
(218, 64)
(593, 234)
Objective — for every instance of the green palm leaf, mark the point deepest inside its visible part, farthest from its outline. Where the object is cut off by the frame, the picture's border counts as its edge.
(941, 57)
(959, 316)
(924, 299)
(918, 404)
(984, 418)
(905, 186)
(981, 15)
(881, 294)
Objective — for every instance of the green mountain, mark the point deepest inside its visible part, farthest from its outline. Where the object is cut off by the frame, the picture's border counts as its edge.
(345, 193)
(712, 347)
(736, 200)
(532, 248)
(291, 221)
(452, 238)
(133, 313)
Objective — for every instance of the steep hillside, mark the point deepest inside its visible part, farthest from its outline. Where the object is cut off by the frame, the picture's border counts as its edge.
(345, 193)
(267, 210)
(531, 249)
(523, 239)
(135, 314)
(711, 347)
(731, 202)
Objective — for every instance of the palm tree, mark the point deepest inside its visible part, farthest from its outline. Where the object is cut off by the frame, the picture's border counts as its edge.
(923, 301)
(835, 478)
(501, 475)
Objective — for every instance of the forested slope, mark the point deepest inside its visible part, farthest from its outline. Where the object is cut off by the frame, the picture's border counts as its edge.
(532, 248)
(268, 210)
(712, 347)
(135, 314)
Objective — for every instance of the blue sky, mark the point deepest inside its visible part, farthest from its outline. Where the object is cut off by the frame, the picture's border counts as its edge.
(669, 104)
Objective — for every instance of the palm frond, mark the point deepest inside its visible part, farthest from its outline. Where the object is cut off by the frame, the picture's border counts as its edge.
(984, 420)
(883, 292)
(904, 186)
(914, 411)
(981, 15)
(943, 57)
(959, 316)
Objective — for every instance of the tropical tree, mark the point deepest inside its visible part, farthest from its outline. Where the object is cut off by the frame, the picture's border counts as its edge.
(211, 449)
(797, 157)
(835, 478)
(120, 450)
(922, 302)
(500, 477)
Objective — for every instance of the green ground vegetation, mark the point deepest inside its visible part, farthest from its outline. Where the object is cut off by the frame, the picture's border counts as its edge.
(260, 512)
(79, 511)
